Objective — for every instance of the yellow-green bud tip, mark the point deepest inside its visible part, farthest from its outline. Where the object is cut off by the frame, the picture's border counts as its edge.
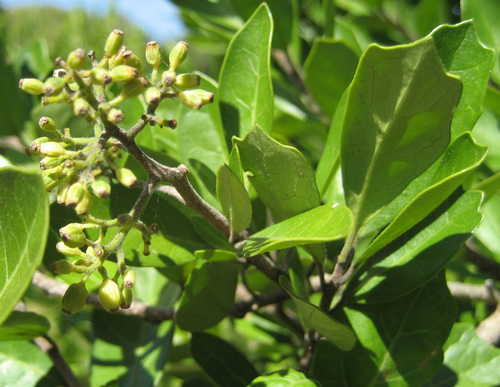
(178, 54)
(75, 297)
(110, 295)
(113, 43)
(153, 54)
(31, 86)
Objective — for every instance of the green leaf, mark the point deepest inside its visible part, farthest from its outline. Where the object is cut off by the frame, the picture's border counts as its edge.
(286, 377)
(217, 255)
(464, 56)
(208, 295)
(321, 224)
(24, 223)
(462, 157)
(399, 342)
(339, 334)
(328, 71)
(23, 326)
(23, 364)
(468, 360)
(221, 361)
(234, 199)
(398, 270)
(245, 88)
(396, 124)
(280, 174)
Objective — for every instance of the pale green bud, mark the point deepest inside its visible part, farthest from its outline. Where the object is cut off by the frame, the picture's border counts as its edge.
(47, 124)
(62, 266)
(101, 188)
(110, 295)
(153, 54)
(168, 77)
(115, 115)
(53, 86)
(73, 236)
(133, 88)
(100, 76)
(80, 107)
(62, 192)
(31, 86)
(76, 59)
(50, 179)
(83, 206)
(75, 297)
(113, 43)
(178, 54)
(51, 149)
(82, 262)
(123, 73)
(126, 177)
(75, 194)
(35, 145)
(152, 96)
(206, 96)
(68, 251)
(190, 99)
(132, 60)
(187, 81)
(126, 298)
(49, 162)
(129, 279)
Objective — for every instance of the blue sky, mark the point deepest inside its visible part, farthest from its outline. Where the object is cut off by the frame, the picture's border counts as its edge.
(150, 15)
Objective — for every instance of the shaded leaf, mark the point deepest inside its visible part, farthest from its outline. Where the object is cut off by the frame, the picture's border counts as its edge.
(245, 88)
(286, 377)
(396, 124)
(24, 223)
(339, 334)
(23, 326)
(321, 224)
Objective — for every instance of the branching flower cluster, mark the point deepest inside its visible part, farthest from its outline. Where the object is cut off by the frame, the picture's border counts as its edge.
(79, 167)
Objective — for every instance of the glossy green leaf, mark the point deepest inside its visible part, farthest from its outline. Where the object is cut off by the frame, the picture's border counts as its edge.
(23, 364)
(234, 199)
(208, 296)
(399, 342)
(217, 255)
(398, 270)
(286, 377)
(487, 233)
(245, 88)
(321, 224)
(328, 71)
(460, 159)
(339, 334)
(221, 361)
(486, 22)
(280, 174)
(464, 56)
(23, 326)
(468, 360)
(396, 124)
(24, 223)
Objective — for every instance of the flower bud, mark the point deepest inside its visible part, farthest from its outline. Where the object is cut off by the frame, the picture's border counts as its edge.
(75, 297)
(47, 124)
(115, 116)
(53, 85)
(110, 295)
(68, 251)
(133, 88)
(31, 86)
(62, 192)
(206, 96)
(83, 206)
(126, 177)
(187, 81)
(100, 76)
(178, 54)
(152, 96)
(123, 73)
(51, 149)
(50, 179)
(101, 188)
(62, 266)
(132, 60)
(73, 236)
(35, 145)
(113, 43)
(168, 77)
(54, 99)
(80, 107)
(49, 162)
(75, 194)
(81, 262)
(190, 99)
(126, 299)
(153, 54)
(76, 59)
(129, 279)
(116, 59)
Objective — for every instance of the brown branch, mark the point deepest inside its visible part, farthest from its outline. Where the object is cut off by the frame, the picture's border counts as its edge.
(242, 308)
(153, 314)
(468, 292)
(489, 328)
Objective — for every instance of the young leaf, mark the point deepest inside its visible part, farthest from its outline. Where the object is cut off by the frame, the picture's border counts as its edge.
(462, 157)
(208, 296)
(23, 326)
(431, 246)
(397, 123)
(234, 199)
(328, 71)
(280, 174)
(245, 88)
(399, 342)
(24, 224)
(339, 334)
(286, 377)
(221, 361)
(321, 224)
(468, 360)
(464, 56)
